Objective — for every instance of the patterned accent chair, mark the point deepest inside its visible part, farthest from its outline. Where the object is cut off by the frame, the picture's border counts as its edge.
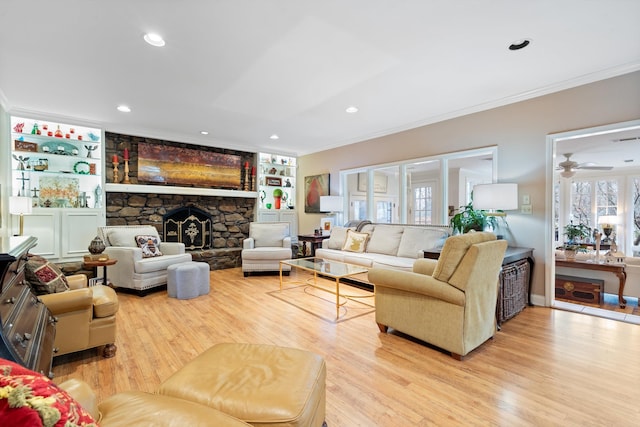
(451, 302)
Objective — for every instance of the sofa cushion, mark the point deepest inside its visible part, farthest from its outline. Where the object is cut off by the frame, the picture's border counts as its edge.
(385, 239)
(160, 263)
(124, 237)
(149, 245)
(28, 398)
(454, 249)
(44, 277)
(268, 234)
(355, 242)
(416, 239)
(338, 237)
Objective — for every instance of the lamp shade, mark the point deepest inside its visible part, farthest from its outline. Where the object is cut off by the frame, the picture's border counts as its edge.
(608, 219)
(19, 205)
(331, 203)
(501, 197)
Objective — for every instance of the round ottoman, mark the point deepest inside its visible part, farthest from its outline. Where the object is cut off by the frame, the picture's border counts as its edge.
(263, 385)
(188, 279)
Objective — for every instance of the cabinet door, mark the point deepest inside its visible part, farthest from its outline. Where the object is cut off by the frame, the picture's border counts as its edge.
(79, 227)
(268, 216)
(292, 218)
(44, 224)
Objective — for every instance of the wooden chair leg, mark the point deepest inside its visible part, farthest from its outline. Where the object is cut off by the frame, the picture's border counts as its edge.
(109, 350)
(383, 328)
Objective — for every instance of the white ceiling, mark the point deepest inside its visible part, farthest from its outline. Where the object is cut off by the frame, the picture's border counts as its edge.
(244, 70)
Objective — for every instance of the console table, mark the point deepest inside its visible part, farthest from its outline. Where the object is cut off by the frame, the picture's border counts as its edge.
(617, 269)
(27, 327)
(516, 277)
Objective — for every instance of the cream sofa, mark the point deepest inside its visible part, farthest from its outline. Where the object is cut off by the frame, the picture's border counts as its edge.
(132, 270)
(611, 281)
(394, 246)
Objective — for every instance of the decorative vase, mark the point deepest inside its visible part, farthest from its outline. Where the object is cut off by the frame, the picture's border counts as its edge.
(277, 201)
(570, 254)
(96, 246)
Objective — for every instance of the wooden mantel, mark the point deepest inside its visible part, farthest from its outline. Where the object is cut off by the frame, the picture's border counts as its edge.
(166, 189)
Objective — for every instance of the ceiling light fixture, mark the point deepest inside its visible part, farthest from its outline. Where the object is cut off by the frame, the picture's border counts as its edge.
(352, 109)
(520, 44)
(124, 109)
(274, 137)
(154, 39)
(204, 132)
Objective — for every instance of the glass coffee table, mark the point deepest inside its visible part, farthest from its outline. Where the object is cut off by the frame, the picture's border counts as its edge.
(328, 269)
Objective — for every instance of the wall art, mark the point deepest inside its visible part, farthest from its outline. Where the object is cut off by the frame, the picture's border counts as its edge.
(314, 187)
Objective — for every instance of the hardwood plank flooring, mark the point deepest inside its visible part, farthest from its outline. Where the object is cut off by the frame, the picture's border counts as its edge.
(544, 368)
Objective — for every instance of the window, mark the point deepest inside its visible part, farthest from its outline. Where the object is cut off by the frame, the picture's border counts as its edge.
(423, 205)
(581, 203)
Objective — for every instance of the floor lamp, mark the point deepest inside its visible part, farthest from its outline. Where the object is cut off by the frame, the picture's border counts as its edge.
(19, 205)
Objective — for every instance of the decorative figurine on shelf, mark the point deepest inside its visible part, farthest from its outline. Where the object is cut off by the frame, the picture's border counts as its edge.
(92, 136)
(35, 130)
(263, 196)
(287, 182)
(18, 127)
(90, 149)
(58, 133)
(22, 162)
(98, 193)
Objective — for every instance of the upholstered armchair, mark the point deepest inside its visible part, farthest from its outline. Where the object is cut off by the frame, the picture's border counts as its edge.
(86, 317)
(268, 244)
(451, 302)
(140, 266)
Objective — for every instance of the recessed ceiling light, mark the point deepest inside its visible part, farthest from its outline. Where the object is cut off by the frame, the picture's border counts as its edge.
(520, 44)
(352, 109)
(204, 132)
(154, 39)
(274, 136)
(124, 109)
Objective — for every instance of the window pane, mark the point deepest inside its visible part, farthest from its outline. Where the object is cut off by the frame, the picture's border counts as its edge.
(581, 203)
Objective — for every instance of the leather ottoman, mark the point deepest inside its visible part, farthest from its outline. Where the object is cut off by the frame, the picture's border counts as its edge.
(262, 385)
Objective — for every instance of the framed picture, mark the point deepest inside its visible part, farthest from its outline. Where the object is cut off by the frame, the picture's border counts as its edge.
(326, 224)
(314, 187)
(274, 182)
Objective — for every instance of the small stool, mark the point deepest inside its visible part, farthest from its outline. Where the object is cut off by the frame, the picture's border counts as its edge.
(262, 385)
(188, 279)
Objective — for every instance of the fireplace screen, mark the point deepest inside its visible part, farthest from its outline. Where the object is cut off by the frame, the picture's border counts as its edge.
(189, 225)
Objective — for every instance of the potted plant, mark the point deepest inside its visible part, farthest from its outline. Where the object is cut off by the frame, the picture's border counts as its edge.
(277, 197)
(576, 234)
(468, 219)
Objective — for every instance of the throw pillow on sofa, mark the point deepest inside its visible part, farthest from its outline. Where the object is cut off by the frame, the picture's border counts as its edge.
(338, 237)
(355, 242)
(44, 277)
(31, 399)
(149, 246)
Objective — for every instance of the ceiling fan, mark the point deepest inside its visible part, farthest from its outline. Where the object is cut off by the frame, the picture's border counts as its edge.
(569, 167)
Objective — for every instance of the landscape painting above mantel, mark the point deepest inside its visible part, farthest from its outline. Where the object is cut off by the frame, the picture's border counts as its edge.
(165, 164)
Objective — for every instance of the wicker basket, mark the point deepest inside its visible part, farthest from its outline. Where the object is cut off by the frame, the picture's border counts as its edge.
(512, 295)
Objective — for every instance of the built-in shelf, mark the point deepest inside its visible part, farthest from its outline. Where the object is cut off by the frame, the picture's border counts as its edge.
(162, 189)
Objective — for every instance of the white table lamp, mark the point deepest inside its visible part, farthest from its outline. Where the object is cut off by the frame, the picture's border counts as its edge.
(19, 205)
(495, 197)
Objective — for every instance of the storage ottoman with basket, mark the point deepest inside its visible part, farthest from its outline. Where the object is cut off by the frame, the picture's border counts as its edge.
(263, 385)
(188, 280)
(512, 294)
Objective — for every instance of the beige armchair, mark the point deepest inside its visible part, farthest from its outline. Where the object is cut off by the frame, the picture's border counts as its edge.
(268, 244)
(86, 317)
(450, 303)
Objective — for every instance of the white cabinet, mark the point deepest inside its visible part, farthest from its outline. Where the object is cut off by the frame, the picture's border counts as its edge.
(63, 234)
(277, 176)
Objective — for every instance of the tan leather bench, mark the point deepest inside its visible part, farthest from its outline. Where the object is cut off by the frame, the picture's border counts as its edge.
(263, 385)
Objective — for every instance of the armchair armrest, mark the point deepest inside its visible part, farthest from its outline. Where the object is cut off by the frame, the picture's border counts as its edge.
(286, 242)
(77, 281)
(171, 248)
(123, 270)
(66, 302)
(425, 266)
(416, 283)
(248, 243)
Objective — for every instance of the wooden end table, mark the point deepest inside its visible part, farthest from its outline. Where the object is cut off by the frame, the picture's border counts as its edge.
(315, 242)
(104, 265)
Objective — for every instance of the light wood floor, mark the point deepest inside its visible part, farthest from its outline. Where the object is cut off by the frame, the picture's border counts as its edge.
(544, 368)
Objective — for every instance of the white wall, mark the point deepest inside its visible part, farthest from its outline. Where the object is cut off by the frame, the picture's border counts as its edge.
(519, 130)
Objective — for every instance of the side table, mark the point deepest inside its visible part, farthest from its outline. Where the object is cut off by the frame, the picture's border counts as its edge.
(315, 241)
(104, 265)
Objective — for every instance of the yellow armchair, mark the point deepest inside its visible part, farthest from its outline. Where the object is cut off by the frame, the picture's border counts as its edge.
(86, 317)
(450, 303)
